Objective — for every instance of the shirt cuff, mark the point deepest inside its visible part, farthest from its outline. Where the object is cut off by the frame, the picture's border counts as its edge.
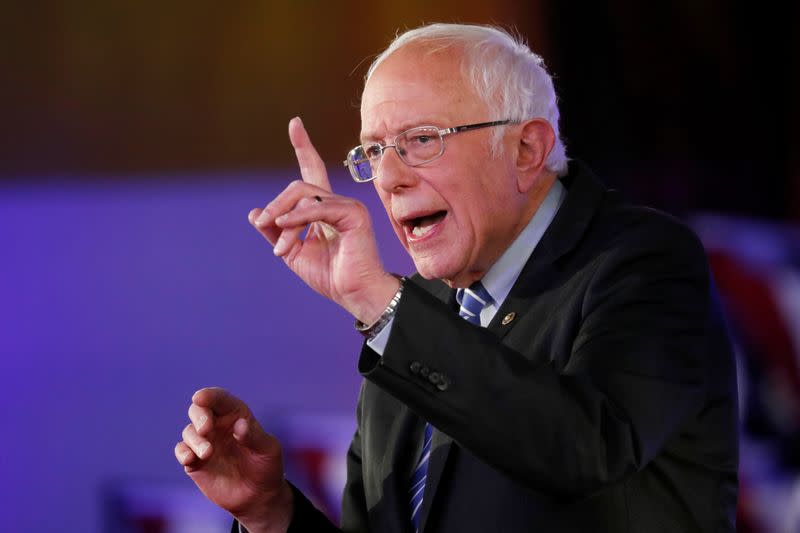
(378, 343)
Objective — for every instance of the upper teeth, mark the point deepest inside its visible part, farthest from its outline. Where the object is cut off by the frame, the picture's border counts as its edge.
(419, 231)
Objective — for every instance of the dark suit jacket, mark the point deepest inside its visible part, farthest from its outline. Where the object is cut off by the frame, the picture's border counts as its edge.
(608, 402)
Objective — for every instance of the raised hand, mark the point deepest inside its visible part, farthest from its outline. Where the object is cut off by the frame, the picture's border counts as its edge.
(338, 256)
(234, 462)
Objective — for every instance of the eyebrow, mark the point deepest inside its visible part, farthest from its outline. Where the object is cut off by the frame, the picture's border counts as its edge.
(404, 126)
(364, 139)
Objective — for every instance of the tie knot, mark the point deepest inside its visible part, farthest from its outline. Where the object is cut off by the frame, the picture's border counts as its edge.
(472, 300)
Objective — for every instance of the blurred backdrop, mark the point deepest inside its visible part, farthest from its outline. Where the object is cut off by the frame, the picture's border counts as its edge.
(136, 136)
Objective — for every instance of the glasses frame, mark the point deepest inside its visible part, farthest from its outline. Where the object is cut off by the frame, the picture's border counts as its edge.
(351, 164)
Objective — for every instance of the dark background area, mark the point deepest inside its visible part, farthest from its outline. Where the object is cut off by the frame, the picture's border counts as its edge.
(685, 105)
(689, 104)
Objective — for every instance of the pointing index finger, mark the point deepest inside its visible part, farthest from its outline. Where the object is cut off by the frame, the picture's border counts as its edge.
(312, 168)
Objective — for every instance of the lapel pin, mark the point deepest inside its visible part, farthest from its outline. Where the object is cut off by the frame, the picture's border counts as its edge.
(509, 318)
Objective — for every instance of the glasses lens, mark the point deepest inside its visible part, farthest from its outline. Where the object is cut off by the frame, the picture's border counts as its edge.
(360, 166)
(420, 145)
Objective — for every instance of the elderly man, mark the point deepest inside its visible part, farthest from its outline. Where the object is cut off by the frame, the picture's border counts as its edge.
(558, 362)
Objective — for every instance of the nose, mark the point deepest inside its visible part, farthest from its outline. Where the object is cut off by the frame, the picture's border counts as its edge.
(393, 173)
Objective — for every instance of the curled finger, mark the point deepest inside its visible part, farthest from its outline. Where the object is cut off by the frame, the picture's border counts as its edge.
(202, 418)
(291, 235)
(199, 446)
(263, 224)
(219, 401)
(184, 454)
(339, 213)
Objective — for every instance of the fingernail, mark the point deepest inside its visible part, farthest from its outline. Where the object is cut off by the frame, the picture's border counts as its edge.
(300, 120)
(280, 246)
(263, 218)
(240, 428)
(201, 421)
(201, 450)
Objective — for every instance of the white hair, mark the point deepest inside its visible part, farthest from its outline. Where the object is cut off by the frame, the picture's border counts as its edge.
(504, 73)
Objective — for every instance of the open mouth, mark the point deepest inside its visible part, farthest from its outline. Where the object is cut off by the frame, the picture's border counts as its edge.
(418, 227)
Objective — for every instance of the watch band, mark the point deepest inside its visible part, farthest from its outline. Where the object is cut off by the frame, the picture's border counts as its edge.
(372, 330)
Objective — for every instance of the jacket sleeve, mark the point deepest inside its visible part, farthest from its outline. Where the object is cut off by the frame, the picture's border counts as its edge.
(305, 518)
(354, 506)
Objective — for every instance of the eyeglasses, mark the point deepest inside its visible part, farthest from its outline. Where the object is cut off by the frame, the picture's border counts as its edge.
(415, 147)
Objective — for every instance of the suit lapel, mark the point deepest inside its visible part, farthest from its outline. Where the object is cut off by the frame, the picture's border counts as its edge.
(584, 196)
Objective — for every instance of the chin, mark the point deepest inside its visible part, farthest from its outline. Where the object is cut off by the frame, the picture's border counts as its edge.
(424, 270)
(430, 268)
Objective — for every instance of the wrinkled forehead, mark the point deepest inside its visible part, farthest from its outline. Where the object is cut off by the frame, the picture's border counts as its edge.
(414, 85)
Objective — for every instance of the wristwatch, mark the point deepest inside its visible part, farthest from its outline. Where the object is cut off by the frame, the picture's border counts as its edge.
(372, 330)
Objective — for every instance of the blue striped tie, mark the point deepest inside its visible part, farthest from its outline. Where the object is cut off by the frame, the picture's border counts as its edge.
(472, 301)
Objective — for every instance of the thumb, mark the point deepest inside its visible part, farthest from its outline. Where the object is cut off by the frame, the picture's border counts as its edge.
(248, 433)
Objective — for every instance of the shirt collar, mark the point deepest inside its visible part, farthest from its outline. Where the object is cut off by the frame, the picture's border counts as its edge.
(502, 275)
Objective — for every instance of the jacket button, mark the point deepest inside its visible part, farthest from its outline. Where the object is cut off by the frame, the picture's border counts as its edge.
(509, 318)
(424, 371)
(414, 367)
(442, 384)
(434, 377)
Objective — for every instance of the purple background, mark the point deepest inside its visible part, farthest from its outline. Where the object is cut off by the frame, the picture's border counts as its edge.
(120, 298)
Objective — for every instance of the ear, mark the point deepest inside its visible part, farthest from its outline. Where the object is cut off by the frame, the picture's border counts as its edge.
(535, 142)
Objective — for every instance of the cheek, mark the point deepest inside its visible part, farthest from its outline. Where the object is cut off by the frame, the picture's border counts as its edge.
(387, 207)
(471, 209)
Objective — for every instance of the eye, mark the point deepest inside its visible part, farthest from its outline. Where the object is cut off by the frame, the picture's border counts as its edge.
(420, 139)
(373, 151)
